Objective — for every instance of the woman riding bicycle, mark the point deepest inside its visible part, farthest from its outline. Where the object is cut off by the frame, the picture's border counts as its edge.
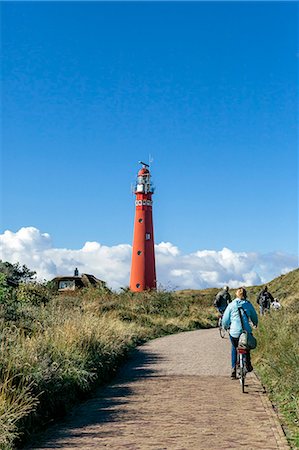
(231, 319)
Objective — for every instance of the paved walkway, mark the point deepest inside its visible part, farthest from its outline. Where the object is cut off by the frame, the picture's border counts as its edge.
(174, 393)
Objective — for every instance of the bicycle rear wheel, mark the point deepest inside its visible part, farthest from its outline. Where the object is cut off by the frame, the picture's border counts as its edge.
(242, 380)
(222, 332)
(243, 371)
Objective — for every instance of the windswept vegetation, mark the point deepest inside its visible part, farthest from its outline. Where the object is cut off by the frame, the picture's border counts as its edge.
(56, 348)
(277, 355)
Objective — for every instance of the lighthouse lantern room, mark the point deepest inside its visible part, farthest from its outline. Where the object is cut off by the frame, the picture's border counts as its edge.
(143, 269)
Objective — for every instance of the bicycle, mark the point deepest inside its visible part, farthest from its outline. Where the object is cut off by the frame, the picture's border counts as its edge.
(222, 331)
(242, 366)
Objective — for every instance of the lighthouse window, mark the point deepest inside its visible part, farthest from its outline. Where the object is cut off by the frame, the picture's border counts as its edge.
(138, 285)
(140, 220)
(147, 236)
(139, 252)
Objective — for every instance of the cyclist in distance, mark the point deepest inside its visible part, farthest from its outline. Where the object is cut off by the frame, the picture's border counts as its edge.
(222, 300)
(231, 319)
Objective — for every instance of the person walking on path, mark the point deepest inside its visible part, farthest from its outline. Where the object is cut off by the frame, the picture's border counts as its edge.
(231, 319)
(222, 299)
(264, 299)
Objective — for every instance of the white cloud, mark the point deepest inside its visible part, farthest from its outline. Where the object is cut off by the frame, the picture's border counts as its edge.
(167, 248)
(201, 269)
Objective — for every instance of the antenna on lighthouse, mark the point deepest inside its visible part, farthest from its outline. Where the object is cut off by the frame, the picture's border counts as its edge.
(146, 165)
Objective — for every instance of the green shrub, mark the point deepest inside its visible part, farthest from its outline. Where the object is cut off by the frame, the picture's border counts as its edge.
(34, 293)
(4, 289)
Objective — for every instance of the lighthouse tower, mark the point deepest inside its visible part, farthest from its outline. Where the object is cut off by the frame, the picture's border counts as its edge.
(143, 270)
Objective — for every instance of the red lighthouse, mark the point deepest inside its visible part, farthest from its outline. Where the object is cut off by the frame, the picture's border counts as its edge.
(143, 269)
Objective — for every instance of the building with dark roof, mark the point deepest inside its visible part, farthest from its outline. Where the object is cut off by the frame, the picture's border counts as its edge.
(73, 282)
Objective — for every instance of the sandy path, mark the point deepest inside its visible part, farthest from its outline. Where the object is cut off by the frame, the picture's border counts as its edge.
(174, 393)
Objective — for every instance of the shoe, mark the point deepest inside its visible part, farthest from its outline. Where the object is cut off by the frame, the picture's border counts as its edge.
(249, 367)
(233, 374)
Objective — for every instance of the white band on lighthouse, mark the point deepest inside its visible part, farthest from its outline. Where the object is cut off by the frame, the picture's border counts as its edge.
(143, 202)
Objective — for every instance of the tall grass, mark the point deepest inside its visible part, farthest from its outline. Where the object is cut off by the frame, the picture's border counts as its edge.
(54, 351)
(277, 363)
(277, 356)
(16, 402)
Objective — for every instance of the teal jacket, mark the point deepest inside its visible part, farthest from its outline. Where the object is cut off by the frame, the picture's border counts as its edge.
(231, 317)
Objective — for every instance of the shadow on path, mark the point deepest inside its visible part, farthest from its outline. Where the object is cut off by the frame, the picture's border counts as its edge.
(107, 404)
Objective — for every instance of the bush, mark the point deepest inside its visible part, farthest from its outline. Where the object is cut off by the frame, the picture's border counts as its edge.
(4, 289)
(35, 293)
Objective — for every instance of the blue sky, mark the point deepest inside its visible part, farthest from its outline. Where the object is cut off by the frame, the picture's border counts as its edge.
(208, 89)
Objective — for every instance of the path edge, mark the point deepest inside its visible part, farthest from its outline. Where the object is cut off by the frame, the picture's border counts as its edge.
(276, 425)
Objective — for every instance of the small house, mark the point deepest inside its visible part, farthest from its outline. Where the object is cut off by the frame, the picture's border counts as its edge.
(73, 282)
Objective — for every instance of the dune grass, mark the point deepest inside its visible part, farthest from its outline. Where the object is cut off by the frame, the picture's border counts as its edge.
(277, 364)
(276, 358)
(16, 402)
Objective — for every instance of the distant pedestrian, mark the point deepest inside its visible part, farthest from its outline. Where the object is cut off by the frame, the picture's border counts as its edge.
(222, 299)
(275, 304)
(264, 299)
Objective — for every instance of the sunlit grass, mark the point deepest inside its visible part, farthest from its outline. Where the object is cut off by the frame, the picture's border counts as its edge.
(277, 363)
(16, 402)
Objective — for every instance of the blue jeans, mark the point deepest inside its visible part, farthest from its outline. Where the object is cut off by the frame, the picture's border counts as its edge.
(234, 342)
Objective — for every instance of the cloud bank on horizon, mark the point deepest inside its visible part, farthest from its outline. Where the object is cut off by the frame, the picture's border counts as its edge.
(198, 270)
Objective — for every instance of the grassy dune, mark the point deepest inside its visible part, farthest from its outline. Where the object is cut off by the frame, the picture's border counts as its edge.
(55, 349)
